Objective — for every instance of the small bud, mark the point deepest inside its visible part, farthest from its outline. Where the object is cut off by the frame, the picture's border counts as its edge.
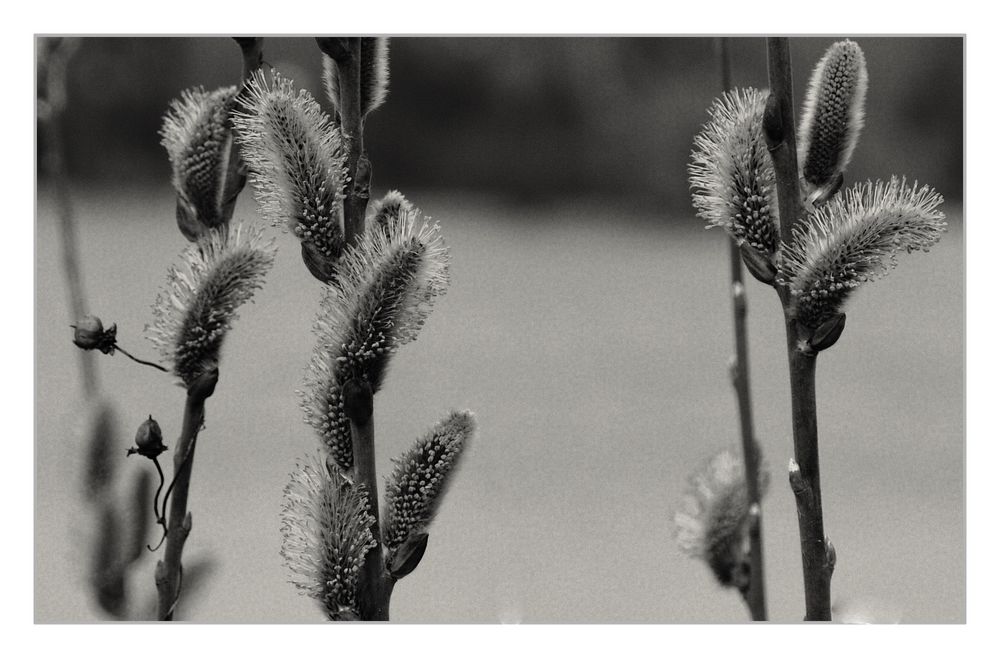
(389, 209)
(187, 220)
(774, 131)
(316, 262)
(831, 555)
(204, 385)
(826, 334)
(408, 556)
(148, 440)
(759, 265)
(358, 402)
(363, 177)
(89, 334)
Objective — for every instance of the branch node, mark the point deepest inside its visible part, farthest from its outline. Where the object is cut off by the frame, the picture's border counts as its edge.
(774, 129)
(798, 483)
(759, 265)
(831, 557)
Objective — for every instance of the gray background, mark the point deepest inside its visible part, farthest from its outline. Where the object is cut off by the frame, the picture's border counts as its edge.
(587, 326)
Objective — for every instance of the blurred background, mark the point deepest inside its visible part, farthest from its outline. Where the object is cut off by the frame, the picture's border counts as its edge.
(588, 325)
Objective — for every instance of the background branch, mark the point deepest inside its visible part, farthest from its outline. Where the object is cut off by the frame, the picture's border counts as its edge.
(754, 595)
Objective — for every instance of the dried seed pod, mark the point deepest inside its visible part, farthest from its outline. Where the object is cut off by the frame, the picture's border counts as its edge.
(148, 440)
(89, 334)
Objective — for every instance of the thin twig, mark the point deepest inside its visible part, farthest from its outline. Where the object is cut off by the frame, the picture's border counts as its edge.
(779, 130)
(754, 595)
(145, 363)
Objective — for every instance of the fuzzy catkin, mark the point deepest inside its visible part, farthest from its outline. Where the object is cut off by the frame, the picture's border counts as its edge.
(731, 173)
(832, 116)
(385, 287)
(326, 528)
(296, 160)
(193, 313)
(712, 526)
(389, 208)
(374, 75)
(420, 478)
(197, 136)
(854, 239)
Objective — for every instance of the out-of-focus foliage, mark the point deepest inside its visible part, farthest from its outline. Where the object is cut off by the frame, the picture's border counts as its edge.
(529, 117)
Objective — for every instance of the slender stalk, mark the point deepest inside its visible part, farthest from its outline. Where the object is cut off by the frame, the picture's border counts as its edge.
(140, 361)
(50, 112)
(169, 569)
(754, 594)
(375, 584)
(817, 555)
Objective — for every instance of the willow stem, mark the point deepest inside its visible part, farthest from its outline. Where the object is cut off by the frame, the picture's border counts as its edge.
(168, 570)
(779, 130)
(352, 129)
(375, 584)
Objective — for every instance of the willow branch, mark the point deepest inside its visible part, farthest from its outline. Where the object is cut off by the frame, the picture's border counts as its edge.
(779, 130)
(169, 569)
(375, 584)
(346, 54)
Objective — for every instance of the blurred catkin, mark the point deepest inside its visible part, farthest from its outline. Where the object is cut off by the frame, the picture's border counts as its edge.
(713, 524)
